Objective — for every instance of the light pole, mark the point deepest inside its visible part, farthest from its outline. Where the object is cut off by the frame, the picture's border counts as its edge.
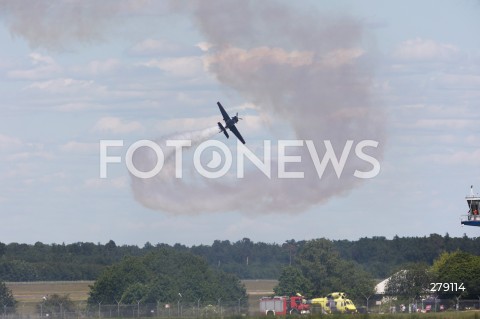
(367, 300)
(198, 307)
(239, 311)
(178, 304)
(118, 307)
(44, 298)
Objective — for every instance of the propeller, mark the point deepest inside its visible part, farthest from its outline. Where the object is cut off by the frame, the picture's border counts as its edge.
(239, 117)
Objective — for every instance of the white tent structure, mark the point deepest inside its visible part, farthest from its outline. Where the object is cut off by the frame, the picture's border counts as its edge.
(380, 287)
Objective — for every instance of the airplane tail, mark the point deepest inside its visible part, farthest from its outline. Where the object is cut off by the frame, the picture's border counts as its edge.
(222, 129)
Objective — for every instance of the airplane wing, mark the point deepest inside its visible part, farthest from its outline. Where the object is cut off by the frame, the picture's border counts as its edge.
(234, 130)
(224, 113)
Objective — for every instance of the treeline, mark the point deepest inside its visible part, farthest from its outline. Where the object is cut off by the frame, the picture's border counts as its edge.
(379, 256)
(77, 261)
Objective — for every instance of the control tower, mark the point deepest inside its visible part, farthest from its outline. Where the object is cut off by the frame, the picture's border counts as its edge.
(472, 218)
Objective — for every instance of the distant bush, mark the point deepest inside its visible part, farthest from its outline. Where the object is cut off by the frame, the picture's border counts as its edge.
(55, 305)
(6, 298)
(166, 275)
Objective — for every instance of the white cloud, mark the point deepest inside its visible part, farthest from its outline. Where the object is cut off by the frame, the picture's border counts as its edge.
(182, 67)
(421, 49)
(250, 122)
(204, 46)
(153, 47)
(78, 106)
(459, 81)
(29, 155)
(8, 142)
(245, 106)
(432, 140)
(98, 183)
(37, 58)
(63, 85)
(117, 126)
(44, 67)
(21, 169)
(444, 124)
(456, 158)
(79, 147)
(98, 67)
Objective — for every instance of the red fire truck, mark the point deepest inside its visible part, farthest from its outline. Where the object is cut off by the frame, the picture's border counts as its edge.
(294, 305)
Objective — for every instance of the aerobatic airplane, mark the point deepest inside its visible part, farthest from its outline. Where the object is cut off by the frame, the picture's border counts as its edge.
(229, 123)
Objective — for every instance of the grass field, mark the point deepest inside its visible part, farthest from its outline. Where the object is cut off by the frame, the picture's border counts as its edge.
(78, 290)
(29, 294)
(260, 287)
(35, 291)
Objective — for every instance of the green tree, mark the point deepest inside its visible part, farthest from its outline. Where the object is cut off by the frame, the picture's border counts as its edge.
(317, 259)
(354, 280)
(327, 272)
(7, 299)
(162, 276)
(459, 268)
(17, 270)
(134, 293)
(411, 282)
(114, 281)
(292, 281)
(2, 249)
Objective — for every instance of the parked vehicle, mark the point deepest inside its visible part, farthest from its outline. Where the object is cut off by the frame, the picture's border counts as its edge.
(336, 302)
(282, 305)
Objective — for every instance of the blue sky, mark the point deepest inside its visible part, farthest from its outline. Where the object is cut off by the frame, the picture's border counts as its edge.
(74, 73)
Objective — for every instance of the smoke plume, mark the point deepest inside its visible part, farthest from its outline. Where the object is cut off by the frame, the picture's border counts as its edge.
(304, 69)
(308, 71)
(59, 25)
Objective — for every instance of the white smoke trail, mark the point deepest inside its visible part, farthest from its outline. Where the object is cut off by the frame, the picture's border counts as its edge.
(146, 191)
(304, 68)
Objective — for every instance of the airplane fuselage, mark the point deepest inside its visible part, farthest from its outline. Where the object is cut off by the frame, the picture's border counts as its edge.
(231, 121)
